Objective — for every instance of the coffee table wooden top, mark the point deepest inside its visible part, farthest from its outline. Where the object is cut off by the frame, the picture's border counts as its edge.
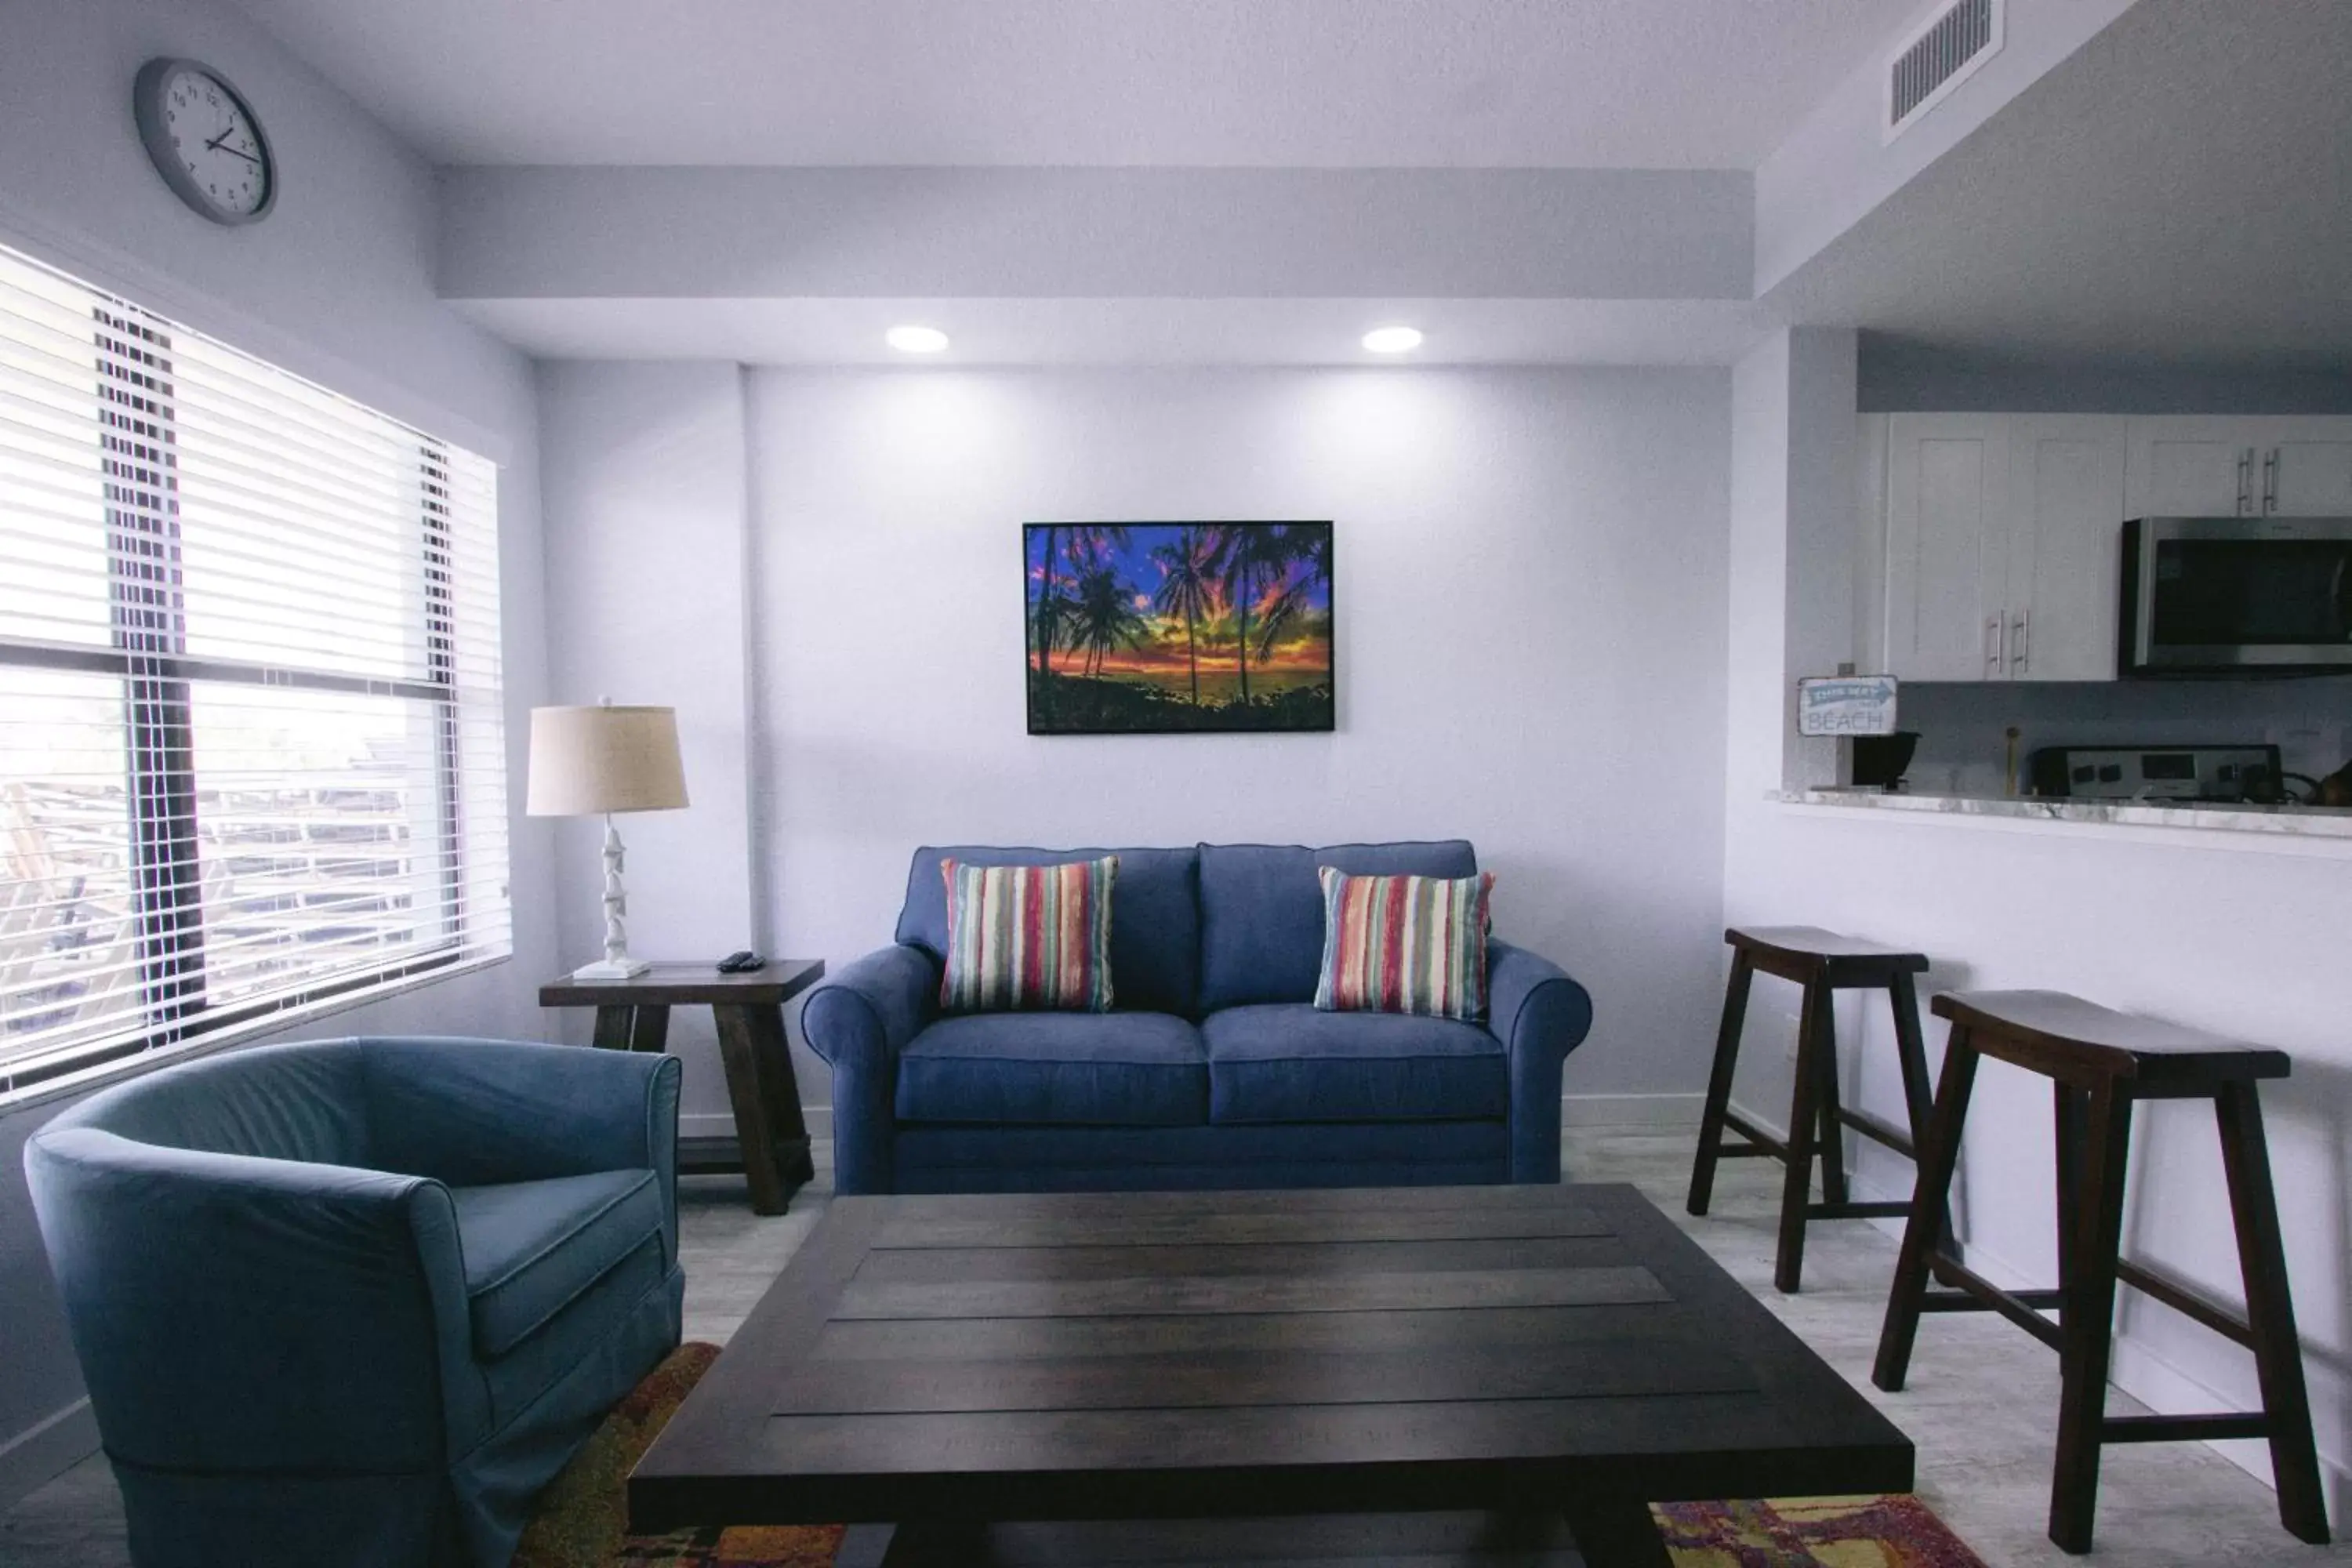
(1170, 1355)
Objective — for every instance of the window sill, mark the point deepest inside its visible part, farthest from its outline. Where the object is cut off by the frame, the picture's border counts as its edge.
(103, 1075)
(2269, 829)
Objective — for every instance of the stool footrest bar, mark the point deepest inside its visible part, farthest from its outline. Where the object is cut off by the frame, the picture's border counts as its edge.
(1754, 1135)
(2222, 1321)
(2183, 1428)
(2016, 1307)
(1878, 1132)
(1856, 1211)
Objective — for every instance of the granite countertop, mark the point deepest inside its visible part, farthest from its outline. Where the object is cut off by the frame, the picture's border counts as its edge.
(2301, 821)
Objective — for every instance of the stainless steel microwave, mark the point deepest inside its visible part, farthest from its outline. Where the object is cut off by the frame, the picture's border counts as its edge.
(2243, 595)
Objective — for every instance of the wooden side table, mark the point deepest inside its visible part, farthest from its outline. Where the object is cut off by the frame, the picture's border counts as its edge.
(770, 1146)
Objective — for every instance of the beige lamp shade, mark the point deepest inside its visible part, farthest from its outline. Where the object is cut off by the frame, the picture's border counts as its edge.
(585, 762)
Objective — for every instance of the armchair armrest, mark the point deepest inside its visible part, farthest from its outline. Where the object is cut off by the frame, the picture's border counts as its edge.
(474, 1112)
(858, 1022)
(1541, 1015)
(182, 1271)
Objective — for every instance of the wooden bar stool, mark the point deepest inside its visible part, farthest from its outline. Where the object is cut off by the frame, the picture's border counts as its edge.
(2101, 1062)
(1823, 962)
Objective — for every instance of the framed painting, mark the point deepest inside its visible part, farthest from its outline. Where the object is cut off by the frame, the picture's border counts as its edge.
(1159, 628)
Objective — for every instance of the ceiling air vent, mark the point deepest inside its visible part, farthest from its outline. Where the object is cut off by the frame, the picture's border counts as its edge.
(1940, 54)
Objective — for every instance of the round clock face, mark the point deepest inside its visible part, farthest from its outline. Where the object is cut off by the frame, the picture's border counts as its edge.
(205, 142)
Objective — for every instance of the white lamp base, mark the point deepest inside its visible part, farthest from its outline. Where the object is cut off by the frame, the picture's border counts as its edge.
(612, 969)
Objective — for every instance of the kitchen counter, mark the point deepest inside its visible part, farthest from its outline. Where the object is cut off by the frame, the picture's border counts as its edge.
(2268, 821)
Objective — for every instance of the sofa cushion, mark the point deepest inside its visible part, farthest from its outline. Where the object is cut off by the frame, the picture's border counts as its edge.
(1290, 1062)
(531, 1246)
(1404, 945)
(1155, 918)
(1119, 1069)
(1262, 911)
(1025, 937)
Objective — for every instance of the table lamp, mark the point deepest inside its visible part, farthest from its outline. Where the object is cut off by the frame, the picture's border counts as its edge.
(594, 762)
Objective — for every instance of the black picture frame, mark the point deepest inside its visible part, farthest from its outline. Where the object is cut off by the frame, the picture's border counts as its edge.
(1105, 660)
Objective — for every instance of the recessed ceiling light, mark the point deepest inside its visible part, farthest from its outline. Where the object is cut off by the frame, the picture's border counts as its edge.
(1392, 339)
(917, 340)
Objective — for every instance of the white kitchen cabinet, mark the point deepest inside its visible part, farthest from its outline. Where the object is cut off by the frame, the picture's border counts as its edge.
(2239, 466)
(2003, 547)
(2192, 466)
(2308, 471)
(1947, 504)
(2065, 546)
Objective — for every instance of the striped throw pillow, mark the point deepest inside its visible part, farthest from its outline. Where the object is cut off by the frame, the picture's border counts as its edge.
(1028, 937)
(1404, 945)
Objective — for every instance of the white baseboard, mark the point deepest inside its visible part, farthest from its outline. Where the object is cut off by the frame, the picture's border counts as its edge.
(1664, 1110)
(34, 1457)
(721, 1123)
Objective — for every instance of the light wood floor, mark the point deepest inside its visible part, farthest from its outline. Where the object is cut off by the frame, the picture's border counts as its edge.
(1980, 1406)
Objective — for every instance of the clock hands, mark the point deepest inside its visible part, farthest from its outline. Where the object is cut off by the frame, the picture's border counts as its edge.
(215, 146)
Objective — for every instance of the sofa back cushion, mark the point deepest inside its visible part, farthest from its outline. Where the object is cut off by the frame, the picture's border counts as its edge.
(1262, 911)
(1155, 918)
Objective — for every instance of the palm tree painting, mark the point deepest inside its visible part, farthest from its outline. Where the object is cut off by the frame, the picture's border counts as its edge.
(1169, 628)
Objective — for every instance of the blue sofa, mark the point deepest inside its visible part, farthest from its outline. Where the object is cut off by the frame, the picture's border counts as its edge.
(1215, 1071)
(355, 1301)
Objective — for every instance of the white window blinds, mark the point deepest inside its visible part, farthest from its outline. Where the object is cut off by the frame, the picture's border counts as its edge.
(251, 748)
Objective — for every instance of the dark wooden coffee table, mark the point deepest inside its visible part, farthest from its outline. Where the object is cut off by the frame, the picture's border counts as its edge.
(1544, 1354)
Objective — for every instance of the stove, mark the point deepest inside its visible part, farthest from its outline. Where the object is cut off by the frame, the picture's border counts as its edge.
(2227, 773)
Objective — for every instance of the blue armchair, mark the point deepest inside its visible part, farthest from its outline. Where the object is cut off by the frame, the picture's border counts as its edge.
(355, 1301)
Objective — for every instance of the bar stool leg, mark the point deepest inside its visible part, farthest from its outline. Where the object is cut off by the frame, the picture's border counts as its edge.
(1804, 1113)
(2270, 1311)
(2067, 1121)
(1939, 1155)
(1911, 1053)
(2087, 1320)
(1833, 1138)
(1918, 1100)
(1719, 1082)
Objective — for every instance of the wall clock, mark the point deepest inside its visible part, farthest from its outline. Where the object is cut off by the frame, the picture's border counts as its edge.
(206, 141)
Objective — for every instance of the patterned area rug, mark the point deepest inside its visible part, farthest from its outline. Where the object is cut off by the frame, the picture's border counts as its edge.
(1811, 1532)
(582, 1516)
(581, 1523)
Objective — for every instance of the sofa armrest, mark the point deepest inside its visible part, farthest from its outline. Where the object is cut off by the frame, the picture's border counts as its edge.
(1541, 1015)
(859, 1021)
(182, 1271)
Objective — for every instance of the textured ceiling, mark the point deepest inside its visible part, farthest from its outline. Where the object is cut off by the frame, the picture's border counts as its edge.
(1311, 83)
(2179, 190)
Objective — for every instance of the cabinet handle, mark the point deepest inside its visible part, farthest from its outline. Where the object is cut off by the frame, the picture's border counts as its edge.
(1996, 643)
(2245, 481)
(2270, 482)
(2023, 630)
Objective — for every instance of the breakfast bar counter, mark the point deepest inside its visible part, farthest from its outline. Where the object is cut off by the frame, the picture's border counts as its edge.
(2270, 823)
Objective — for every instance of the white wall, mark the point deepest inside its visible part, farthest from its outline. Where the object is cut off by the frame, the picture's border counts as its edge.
(646, 503)
(1530, 589)
(2242, 938)
(337, 284)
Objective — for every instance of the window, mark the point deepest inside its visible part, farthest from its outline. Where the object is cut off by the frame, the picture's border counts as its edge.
(251, 735)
